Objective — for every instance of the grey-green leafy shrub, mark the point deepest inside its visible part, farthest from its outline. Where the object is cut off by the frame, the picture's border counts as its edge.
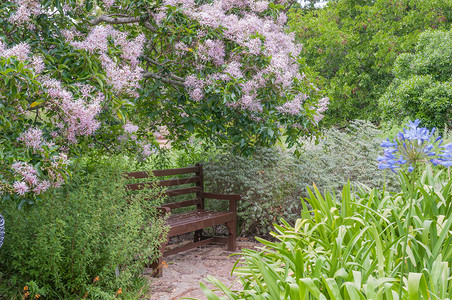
(269, 182)
(353, 248)
(82, 231)
(349, 154)
(421, 88)
(273, 180)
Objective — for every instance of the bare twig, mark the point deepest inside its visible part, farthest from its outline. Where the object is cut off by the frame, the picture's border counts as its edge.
(112, 19)
(178, 82)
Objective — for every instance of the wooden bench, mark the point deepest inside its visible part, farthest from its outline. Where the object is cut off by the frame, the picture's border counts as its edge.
(194, 220)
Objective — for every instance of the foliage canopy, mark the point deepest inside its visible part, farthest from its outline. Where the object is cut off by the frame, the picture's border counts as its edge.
(353, 45)
(421, 87)
(76, 75)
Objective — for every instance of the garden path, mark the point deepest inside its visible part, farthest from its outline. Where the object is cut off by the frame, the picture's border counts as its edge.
(186, 269)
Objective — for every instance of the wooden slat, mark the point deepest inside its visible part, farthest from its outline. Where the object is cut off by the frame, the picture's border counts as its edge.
(191, 216)
(167, 172)
(177, 171)
(177, 192)
(170, 182)
(140, 174)
(179, 181)
(188, 246)
(234, 197)
(180, 204)
(187, 225)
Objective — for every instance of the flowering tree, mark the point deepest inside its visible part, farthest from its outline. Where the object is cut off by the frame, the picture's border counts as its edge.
(80, 74)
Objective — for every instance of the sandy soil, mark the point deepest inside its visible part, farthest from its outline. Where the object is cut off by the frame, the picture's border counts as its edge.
(186, 269)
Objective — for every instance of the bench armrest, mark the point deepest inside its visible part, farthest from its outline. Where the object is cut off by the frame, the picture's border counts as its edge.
(162, 211)
(232, 198)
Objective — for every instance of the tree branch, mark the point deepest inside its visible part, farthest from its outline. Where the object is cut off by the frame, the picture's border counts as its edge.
(165, 79)
(289, 6)
(111, 19)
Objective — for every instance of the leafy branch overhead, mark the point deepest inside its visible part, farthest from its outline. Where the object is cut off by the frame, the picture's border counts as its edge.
(84, 75)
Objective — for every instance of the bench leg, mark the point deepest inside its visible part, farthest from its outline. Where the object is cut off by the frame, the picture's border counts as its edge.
(232, 226)
(198, 235)
(157, 265)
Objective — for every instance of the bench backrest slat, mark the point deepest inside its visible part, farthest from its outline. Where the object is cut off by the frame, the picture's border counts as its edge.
(181, 204)
(177, 192)
(169, 182)
(168, 172)
(196, 178)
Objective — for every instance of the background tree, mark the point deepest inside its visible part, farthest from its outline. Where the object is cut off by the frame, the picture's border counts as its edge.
(422, 88)
(353, 45)
(79, 74)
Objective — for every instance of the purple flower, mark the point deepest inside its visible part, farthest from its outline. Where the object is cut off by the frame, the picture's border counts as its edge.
(413, 146)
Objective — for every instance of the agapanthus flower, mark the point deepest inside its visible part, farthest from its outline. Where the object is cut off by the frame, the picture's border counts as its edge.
(413, 146)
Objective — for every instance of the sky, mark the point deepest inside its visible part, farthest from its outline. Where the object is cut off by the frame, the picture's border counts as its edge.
(320, 4)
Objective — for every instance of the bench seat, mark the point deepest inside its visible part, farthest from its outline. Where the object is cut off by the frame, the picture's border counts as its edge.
(194, 220)
(198, 219)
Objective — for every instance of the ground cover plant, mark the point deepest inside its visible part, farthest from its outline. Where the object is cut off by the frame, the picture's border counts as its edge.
(88, 239)
(366, 245)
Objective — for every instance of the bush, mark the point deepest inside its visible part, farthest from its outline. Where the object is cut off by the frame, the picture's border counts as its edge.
(421, 88)
(82, 240)
(273, 180)
(354, 248)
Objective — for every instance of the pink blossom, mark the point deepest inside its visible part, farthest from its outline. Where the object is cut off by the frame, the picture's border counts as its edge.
(96, 40)
(41, 187)
(130, 128)
(32, 138)
(108, 3)
(282, 19)
(20, 187)
(26, 9)
(123, 78)
(197, 94)
(322, 107)
(20, 51)
(146, 150)
(215, 50)
(250, 103)
(191, 81)
(233, 69)
(294, 106)
(259, 6)
(37, 64)
(254, 46)
(159, 17)
(79, 116)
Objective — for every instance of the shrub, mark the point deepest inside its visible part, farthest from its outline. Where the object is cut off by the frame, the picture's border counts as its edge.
(273, 180)
(82, 240)
(421, 88)
(353, 248)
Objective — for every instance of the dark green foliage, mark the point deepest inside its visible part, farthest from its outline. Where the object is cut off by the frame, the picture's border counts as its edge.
(274, 180)
(80, 232)
(353, 45)
(421, 88)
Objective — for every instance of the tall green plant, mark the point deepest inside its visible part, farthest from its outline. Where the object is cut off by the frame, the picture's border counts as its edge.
(86, 239)
(352, 249)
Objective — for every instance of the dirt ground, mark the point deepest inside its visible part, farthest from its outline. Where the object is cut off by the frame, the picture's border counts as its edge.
(186, 269)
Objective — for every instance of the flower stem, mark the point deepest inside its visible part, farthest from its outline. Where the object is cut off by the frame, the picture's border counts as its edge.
(411, 187)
